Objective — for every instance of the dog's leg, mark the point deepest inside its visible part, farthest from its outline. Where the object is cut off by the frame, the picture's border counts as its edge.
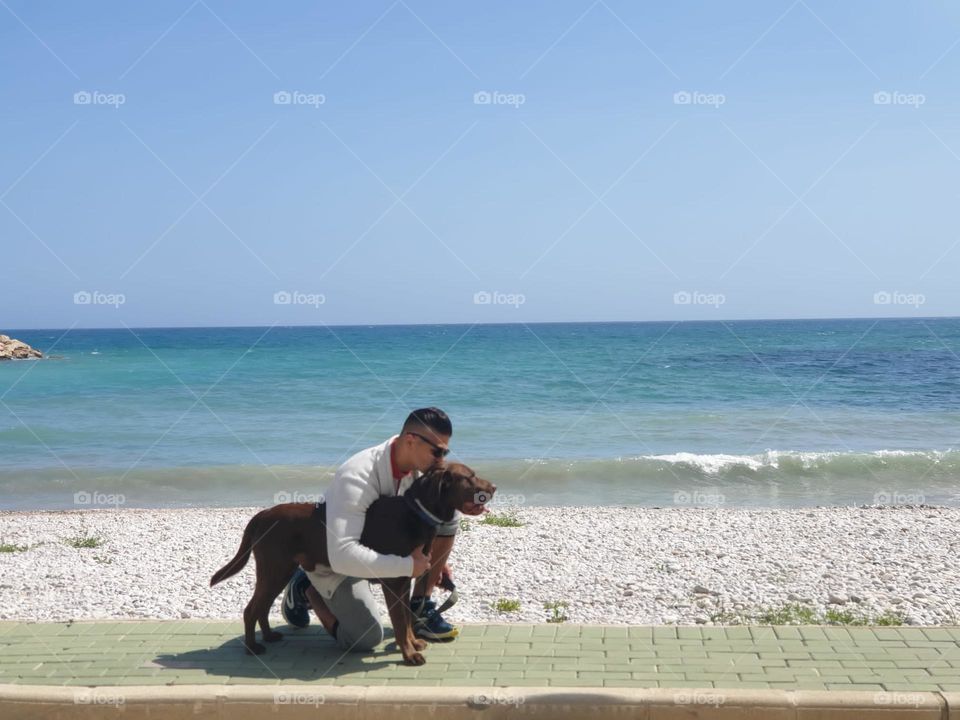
(411, 620)
(250, 615)
(417, 643)
(397, 593)
(272, 586)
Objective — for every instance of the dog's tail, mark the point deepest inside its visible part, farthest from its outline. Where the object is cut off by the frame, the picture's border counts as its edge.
(240, 559)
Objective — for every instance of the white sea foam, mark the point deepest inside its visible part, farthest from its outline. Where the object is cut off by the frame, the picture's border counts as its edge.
(710, 463)
(776, 459)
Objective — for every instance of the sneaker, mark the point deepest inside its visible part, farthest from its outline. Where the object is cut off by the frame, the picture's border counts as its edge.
(428, 623)
(295, 607)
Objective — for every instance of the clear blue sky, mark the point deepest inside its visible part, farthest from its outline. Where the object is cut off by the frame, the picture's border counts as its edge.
(798, 196)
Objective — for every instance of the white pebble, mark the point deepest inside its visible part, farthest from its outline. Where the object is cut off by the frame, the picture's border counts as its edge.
(610, 565)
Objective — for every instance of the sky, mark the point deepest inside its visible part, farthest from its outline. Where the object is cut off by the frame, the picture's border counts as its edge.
(194, 163)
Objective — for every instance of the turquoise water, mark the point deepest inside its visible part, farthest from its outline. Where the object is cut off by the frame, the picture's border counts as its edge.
(785, 413)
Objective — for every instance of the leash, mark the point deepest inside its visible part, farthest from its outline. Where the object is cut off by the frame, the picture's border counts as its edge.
(446, 584)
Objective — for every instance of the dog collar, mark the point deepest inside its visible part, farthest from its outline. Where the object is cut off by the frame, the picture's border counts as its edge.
(428, 517)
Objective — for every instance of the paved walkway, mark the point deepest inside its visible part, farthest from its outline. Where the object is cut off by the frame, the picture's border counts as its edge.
(198, 652)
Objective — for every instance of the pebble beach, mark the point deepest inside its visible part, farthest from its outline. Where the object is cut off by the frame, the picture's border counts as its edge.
(604, 565)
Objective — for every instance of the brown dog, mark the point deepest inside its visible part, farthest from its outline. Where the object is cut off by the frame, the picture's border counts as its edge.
(292, 534)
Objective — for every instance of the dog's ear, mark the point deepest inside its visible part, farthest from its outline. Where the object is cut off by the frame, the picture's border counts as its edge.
(446, 483)
(433, 476)
(433, 486)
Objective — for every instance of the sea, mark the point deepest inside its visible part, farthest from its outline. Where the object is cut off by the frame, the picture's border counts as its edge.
(787, 414)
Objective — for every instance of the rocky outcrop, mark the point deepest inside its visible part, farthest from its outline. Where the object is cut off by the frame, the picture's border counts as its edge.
(11, 349)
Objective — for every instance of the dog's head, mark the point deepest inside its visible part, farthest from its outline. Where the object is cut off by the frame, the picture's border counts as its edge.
(443, 490)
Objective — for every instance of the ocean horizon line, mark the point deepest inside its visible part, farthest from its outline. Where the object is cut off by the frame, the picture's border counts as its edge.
(484, 324)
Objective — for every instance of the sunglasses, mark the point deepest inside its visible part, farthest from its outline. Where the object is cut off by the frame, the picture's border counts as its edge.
(438, 452)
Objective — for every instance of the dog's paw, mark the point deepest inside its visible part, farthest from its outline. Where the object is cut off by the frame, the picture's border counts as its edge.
(414, 658)
(273, 636)
(419, 644)
(255, 649)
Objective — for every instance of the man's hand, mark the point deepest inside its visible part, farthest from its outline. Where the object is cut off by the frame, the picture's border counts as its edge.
(421, 562)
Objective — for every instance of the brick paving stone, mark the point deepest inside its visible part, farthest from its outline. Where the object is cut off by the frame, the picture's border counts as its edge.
(546, 655)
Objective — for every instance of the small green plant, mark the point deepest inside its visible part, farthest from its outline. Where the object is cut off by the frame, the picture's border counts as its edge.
(85, 541)
(505, 520)
(889, 618)
(465, 525)
(844, 617)
(797, 614)
(793, 614)
(12, 548)
(505, 605)
(556, 609)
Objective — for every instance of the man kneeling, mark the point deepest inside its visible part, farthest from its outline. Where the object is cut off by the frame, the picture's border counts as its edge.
(341, 595)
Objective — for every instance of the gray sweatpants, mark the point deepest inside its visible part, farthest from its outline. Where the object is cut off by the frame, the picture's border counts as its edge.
(358, 619)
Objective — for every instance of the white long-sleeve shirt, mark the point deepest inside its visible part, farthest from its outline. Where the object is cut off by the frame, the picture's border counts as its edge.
(362, 479)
